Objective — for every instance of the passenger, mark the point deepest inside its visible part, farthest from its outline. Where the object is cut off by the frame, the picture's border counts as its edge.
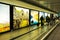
(54, 19)
(42, 19)
(47, 19)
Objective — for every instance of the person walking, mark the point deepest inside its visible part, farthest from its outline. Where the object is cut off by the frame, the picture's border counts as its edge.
(42, 19)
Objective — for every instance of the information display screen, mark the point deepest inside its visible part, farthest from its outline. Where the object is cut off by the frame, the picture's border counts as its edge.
(21, 17)
(4, 17)
(34, 17)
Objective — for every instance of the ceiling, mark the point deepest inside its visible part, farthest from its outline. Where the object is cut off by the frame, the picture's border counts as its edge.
(51, 4)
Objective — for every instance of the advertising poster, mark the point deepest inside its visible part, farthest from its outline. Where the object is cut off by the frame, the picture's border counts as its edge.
(4, 18)
(41, 14)
(34, 17)
(46, 14)
(49, 15)
(21, 17)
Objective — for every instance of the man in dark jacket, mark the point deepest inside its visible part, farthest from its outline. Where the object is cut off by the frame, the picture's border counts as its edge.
(47, 19)
(42, 19)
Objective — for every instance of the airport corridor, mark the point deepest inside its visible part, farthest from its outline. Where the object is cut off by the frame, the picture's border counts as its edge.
(29, 20)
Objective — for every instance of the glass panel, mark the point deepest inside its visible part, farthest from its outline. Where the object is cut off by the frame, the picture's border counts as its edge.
(49, 15)
(41, 14)
(46, 14)
(4, 18)
(21, 17)
(34, 17)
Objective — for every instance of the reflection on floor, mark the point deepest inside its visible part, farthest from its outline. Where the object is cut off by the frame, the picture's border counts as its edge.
(31, 35)
(55, 35)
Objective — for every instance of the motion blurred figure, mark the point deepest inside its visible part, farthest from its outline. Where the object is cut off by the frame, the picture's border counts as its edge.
(42, 19)
(47, 19)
